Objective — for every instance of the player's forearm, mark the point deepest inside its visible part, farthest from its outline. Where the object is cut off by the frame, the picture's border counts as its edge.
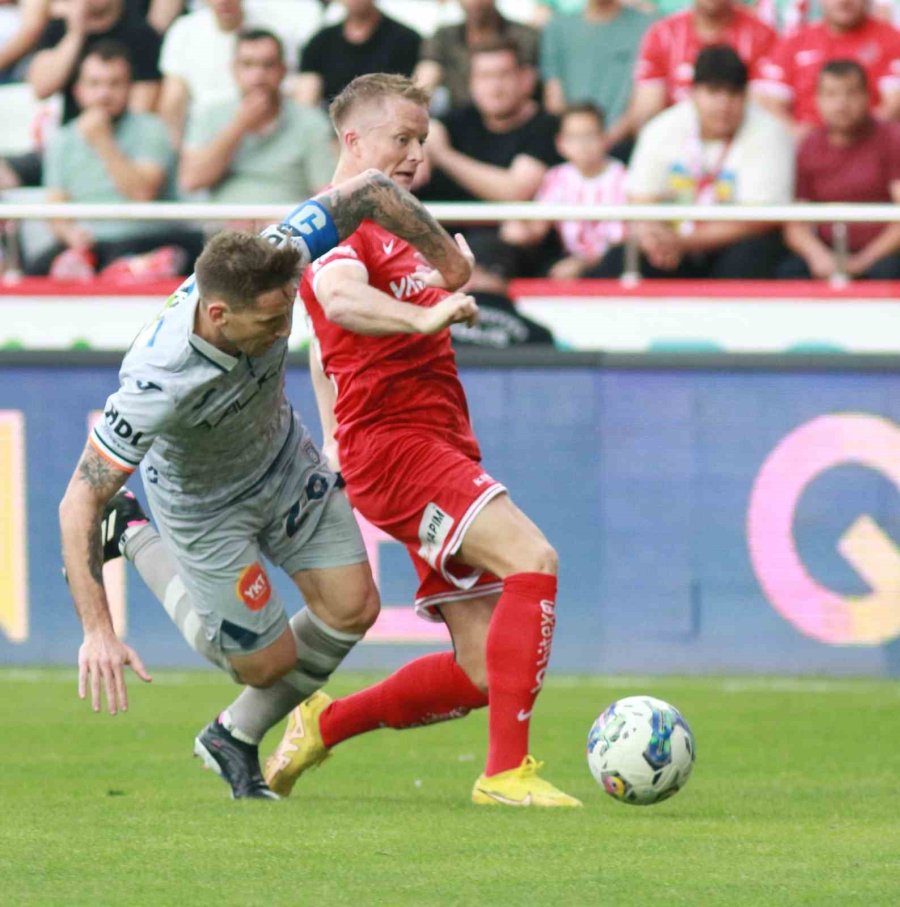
(373, 196)
(50, 69)
(358, 307)
(204, 167)
(91, 486)
(83, 559)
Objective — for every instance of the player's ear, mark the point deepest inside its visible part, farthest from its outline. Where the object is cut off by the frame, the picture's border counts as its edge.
(349, 141)
(217, 311)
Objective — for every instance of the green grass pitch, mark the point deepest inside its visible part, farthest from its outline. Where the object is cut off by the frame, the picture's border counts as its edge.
(795, 799)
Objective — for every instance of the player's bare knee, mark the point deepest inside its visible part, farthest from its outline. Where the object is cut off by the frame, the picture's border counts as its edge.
(362, 617)
(541, 557)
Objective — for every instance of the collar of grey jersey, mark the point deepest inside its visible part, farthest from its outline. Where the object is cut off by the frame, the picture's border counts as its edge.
(213, 354)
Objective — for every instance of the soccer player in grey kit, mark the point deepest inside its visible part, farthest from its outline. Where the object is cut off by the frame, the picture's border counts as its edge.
(231, 474)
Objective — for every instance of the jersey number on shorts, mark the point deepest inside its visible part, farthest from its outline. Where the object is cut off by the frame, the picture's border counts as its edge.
(316, 486)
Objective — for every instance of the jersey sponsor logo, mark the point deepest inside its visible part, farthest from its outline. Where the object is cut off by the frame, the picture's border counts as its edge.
(388, 247)
(253, 587)
(121, 427)
(407, 287)
(869, 54)
(433, 531)
(483, 479)
(684, 72)
(147, 386)
(808, 57)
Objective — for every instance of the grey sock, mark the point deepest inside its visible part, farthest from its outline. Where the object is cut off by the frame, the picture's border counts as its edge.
(320, 649)
(145, 549)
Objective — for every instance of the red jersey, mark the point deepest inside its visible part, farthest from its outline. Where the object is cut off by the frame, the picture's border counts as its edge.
(671, 45)
(792, 70)
(864, 171)
(398, 380)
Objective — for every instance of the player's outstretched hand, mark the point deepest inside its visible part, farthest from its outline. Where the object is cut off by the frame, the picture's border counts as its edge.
(102, 659)
(456, 308)
(434, 278)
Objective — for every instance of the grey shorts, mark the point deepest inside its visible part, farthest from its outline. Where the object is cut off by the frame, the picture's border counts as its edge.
(297, 518)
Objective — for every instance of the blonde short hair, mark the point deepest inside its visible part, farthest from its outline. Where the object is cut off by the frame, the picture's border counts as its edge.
(375, 86)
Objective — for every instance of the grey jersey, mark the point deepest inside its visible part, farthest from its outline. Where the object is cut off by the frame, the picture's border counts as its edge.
(208, 426)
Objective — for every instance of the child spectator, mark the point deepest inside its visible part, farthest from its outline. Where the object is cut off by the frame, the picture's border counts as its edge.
(587, 178)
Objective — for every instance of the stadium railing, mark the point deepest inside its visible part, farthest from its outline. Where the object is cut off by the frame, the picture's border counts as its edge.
(840, 215)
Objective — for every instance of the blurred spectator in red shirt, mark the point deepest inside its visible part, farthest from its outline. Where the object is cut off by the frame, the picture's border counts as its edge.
(788, 80)
(852, 157)
(665, 66)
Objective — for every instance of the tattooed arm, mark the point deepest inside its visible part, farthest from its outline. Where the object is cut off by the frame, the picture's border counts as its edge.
(374, 196)
(102, 656)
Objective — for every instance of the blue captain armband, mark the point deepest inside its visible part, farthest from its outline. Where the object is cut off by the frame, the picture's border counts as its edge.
(310, 224)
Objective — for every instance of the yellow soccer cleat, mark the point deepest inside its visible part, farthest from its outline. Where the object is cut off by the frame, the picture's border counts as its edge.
(301, 746)
(517, 787)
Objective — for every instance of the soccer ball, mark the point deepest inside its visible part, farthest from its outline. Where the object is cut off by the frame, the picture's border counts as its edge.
(640, 750)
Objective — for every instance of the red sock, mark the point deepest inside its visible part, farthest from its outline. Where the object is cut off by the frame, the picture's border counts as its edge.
(430, 689)
(518, 649)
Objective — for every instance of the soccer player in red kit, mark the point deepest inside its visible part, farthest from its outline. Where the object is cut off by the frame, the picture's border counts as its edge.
(412, 466)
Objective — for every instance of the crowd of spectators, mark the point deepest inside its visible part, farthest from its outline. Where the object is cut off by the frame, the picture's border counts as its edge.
(586, 102)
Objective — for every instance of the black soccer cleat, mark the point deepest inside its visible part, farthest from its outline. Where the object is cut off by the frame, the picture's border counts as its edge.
(122, 511)
(234, 761)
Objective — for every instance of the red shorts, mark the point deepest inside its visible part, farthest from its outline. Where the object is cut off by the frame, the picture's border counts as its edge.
(424, 491)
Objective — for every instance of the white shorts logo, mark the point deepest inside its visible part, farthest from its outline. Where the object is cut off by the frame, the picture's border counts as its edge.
(433, 531)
